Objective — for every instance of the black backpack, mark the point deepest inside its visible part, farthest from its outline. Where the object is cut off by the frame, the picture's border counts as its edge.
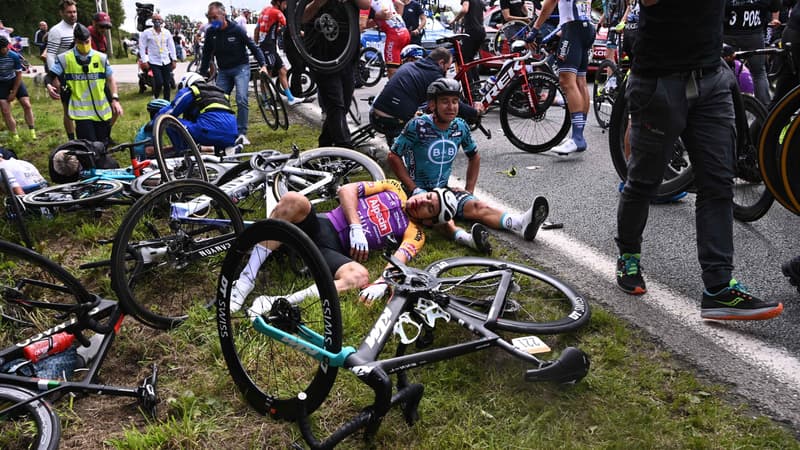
(67, 173)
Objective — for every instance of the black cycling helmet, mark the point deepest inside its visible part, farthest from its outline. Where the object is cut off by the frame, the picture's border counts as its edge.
(81, 33)
(3, 42)
(448, 203)
(443, 86)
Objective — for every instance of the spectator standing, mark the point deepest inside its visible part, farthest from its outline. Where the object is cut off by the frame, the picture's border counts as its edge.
(101, 24)
(243, 18)
(513, 10)
(157, 52)
(472, 15)
(13, 88)
(40, 39)
(414, 18)
(85, 73)
(679, 87)
(60, 39)
(297, 63)
(229, 42)
(5, 31)
(178, 39)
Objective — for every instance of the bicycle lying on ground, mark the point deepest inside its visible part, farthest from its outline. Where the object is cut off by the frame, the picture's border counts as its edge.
(284, 356)
(169, 247)
(46, 318)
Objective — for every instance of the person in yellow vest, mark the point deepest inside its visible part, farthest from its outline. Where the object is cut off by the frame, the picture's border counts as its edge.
(89, 82)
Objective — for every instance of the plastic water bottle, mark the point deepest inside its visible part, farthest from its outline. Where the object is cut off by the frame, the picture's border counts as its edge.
(49, 346)
(488, 85)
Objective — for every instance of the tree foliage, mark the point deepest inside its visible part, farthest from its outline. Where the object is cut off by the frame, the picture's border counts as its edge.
(25, 15)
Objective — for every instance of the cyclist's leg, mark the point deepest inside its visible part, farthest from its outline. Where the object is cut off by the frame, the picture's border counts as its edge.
(469, 49)
(573, 61)
(391, 52)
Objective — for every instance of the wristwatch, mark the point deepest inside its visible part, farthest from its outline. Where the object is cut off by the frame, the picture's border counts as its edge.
(115, 97)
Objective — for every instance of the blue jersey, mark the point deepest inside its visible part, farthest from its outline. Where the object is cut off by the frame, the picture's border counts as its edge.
(428, 151)
(9, 66)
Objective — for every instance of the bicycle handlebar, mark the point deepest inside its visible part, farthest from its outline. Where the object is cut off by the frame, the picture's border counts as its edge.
(128, 145)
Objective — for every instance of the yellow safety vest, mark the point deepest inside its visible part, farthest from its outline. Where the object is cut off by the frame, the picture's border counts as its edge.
(88, 100)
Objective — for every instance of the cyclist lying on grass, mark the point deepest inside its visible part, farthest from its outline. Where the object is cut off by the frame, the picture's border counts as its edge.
(370, 212)
(423, 155)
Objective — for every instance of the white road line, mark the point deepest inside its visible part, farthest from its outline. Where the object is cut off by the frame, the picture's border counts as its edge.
(684, 311)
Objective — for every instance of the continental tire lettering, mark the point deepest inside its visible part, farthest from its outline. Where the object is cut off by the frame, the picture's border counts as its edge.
(214, 249)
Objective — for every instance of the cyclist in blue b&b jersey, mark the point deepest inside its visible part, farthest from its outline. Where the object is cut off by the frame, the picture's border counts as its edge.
(577, 36)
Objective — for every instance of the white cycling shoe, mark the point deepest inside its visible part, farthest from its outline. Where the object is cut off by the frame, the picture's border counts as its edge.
(261, 305)
(567, 147)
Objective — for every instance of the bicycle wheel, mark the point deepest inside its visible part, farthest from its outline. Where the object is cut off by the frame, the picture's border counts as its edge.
(171, 136)
(280, 107)
(32, 426)
(771, 143)
(353, 111)
(265, 97)
(146, 183)
(370, 66)
(330, 39)
(604, 92)
(346, 166)
(308, 86)
(269, 373)
(535, 302)
(534, 116)
(678, 175)
(169, 248)
(501, 45)
(85, 192)
(789, 163)
(14, 210)
(751, 199)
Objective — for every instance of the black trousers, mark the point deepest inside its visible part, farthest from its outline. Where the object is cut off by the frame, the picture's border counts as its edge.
(162, 77)
(335, 94)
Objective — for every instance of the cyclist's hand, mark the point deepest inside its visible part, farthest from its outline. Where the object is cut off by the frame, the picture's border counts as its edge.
(532, 35)
(373, 292)
(263, 69)
(359, 249)
(479, 108)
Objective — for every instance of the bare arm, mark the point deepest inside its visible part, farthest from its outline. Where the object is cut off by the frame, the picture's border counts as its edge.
(400, 171)
(348, 199)
(473, 168)
(547, 8)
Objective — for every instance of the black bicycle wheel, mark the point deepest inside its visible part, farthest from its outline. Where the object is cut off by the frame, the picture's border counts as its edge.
(346, 166)
(308, 86)
(270, 373)
(535, 302)
(280, 105)
(330, 39)
(789, 164)
(169, 248)
(171, 137)
(265, 97)
(32, 426)
(77, 193)
(751, 199)
(771, 145)
(538, 126)
(371, 66)
(144, 184)
(14, 211)
(606, 80)
(678, 175)
(500, 44)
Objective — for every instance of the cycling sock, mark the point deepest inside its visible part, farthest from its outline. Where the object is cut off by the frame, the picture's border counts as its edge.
(259, 255)
(578, 122)
(512, 223)
(289, 95)
(299, 296)
(462, 237)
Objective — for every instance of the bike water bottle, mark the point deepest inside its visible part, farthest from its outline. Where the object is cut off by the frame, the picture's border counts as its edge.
(51, 345)
(488, 85)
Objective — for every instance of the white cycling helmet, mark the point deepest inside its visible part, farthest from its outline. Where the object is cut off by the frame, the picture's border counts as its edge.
(190, 78)
(448, 205)
(412, 51)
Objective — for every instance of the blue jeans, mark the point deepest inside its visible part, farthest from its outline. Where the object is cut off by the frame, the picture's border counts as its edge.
(240, 77)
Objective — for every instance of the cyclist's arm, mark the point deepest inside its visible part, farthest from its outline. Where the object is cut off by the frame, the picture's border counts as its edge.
(351, 192)
(473, 158)
(404, 143)
(183, 100)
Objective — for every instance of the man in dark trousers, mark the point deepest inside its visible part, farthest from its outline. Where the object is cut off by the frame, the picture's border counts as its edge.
(678, 87)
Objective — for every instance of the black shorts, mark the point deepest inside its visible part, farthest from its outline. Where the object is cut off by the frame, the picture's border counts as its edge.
(320, 229)
(629, 39)
(5, 89)
(573, 50)
(273, 59)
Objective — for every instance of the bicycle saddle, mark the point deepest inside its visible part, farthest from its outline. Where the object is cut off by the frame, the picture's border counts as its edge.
(451, 38)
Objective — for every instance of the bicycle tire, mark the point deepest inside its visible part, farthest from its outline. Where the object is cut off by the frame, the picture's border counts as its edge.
(75, 193)
(268, 373)
(771, 142)
(192, 165)
(751, 198)
(38, 415)
(500, 44)
(307, 83)
(679, 174)
(318, 41)
(14, 211)
(347, 166)
(603, 98)
(541, 303)
(265, 97)
(280, 106)
(371, 66)
(547, 119)
(144, 184)
(162, 266)
(790, 158)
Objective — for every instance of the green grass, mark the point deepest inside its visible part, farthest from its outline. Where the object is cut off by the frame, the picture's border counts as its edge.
(636, 395)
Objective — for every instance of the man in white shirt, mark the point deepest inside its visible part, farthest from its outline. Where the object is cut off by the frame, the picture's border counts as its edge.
(60, 39)
(243, 18)
(157, 52)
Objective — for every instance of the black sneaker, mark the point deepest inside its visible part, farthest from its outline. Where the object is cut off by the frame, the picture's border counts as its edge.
(629, 274)
(791, 270)
(538, 213)
(735, 303)
(481, 237)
